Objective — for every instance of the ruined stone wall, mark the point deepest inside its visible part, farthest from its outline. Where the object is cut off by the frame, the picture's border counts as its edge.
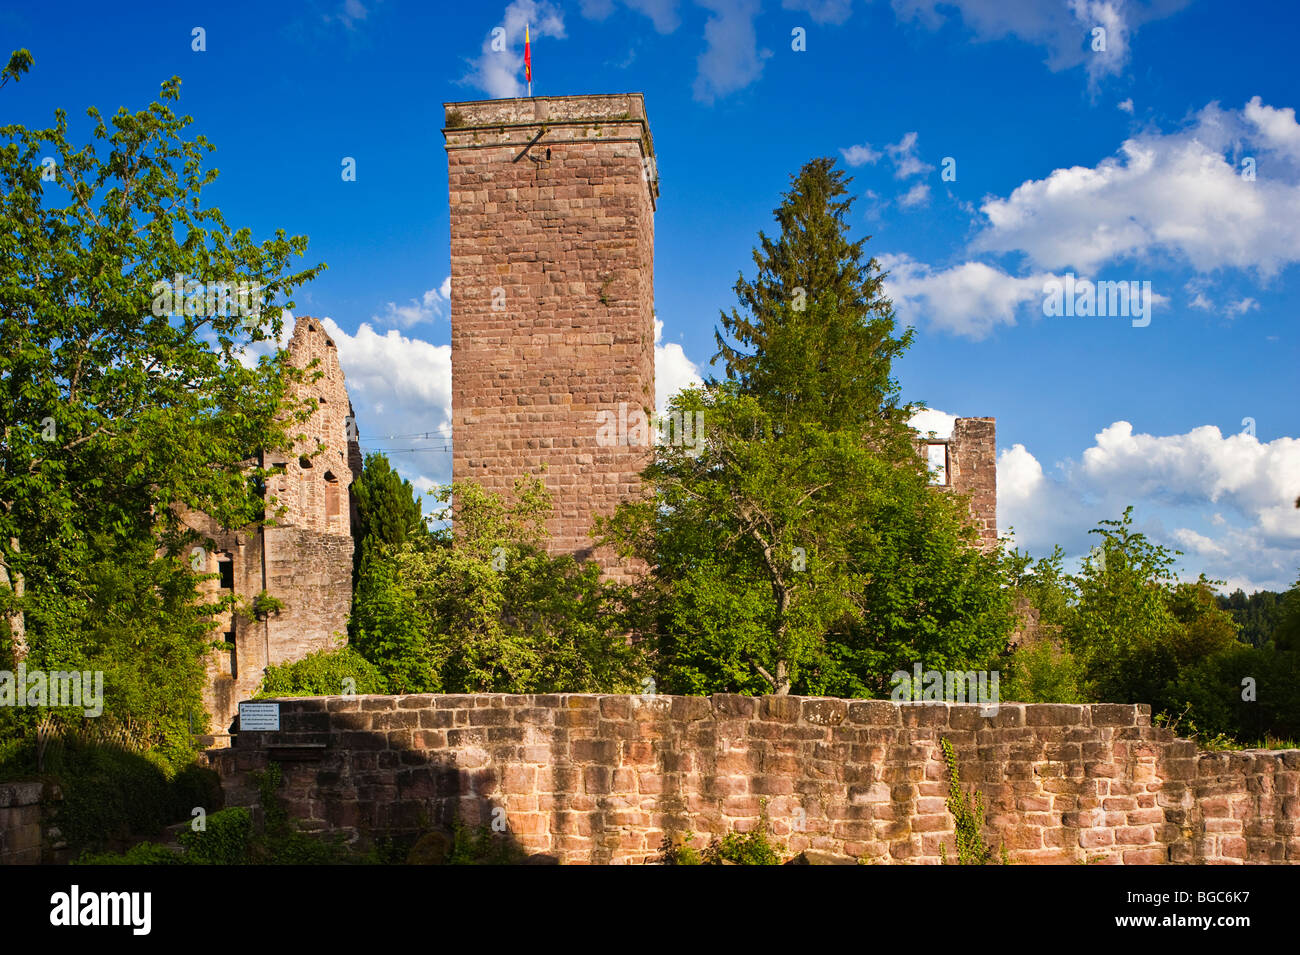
(552, 299)
(314, 490)
(601, 779)
(304, 559)
(972, 468)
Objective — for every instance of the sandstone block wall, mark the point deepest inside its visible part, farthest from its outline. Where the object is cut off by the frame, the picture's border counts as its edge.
(601, 779)
(972, 468)
(20, 823)
(552, 299)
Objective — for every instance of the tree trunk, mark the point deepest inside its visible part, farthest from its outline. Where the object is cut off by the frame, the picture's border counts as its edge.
(781, 682)
(17, 626)
(782, 679)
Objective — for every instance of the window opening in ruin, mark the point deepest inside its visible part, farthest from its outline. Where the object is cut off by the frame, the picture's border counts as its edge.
(937, 461)
(230, 645)
(304, 462)
(226, 568)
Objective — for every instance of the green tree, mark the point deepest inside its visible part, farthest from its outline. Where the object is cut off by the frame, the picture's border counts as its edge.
(1286, 636)
(388, 509)
(1207, 629)
(323, 673)
(800, 548)
(118, 406)
(1258, 615)
(389, 628)
(1123, 630)
(794, 559)
(816, 336)
(20, 61)
(486, 609)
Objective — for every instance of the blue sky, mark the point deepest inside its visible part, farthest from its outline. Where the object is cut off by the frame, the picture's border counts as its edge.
(1128, 163)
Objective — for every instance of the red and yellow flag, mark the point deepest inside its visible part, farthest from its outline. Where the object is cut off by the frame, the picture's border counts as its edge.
(528, 56)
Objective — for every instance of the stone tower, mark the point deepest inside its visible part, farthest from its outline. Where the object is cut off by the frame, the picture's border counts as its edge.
(305, 559)
(552, 301)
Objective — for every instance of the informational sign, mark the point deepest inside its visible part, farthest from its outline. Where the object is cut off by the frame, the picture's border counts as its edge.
(259, 716)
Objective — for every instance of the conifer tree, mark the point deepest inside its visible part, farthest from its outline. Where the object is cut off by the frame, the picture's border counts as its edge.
(816, 336)
(388, 509)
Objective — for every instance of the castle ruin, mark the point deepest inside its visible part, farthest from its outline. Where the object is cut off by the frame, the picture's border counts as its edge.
(303, 558)
(552, 205)
(967, 463)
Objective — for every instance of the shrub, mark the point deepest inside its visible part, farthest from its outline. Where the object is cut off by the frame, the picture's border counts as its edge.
(679, 853)
(479, 845)
(323, 673)
(195, 787)
(225, 840)
(109, 794)
(745, 848)
(1044, 673)
(146, 853)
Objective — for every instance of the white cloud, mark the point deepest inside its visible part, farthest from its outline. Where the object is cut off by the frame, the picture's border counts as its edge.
(731, 59)
(1192, 542)
(673, 370)
(499, 73)
(662, 13)
(860, 155)
(906, 162)
(1201, 302)
(1201, 465)
(1242, 307)
(970, 299)
(1277, 128)
(822, 11)
(431, 305)
(1180, 475)
(918, 195)
(445, 288)
(1176, 194)
(1108, 51)
(399, 386)
(929, 420)
(1125, 106)
(350, 12)
(1064, 29)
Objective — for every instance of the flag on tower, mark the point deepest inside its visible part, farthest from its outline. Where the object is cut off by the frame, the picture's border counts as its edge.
(528, 60)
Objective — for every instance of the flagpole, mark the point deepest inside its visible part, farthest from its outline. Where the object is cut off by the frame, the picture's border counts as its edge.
(530, 68)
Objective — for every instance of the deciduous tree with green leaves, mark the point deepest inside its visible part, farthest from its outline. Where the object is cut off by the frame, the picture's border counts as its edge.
(486, 609)
(795, 559)
(115, 409)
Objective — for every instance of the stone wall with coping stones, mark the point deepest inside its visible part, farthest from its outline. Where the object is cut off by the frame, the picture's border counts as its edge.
(552, 203)
(601, 779)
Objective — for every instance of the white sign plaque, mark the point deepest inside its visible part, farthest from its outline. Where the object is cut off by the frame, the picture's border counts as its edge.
(259, 716)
